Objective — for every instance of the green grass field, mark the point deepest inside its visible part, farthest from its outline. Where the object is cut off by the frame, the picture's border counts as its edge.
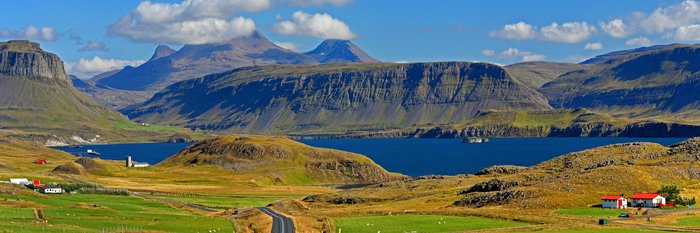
(594, 212)
(611, 230)
(693, 221)
(93, 213)
(224, 202)
(419, 223)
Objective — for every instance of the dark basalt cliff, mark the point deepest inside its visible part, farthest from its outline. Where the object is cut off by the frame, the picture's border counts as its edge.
(21, 58)
(338, 97)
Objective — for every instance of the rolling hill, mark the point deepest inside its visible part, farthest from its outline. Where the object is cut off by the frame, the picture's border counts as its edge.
(281, 160)
(337, 98)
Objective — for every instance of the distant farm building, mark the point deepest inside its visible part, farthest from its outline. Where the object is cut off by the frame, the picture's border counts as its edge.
(647, 200)
(20, 181)
(614, 202)
(132, 163)
(51, 190)
(40, 161)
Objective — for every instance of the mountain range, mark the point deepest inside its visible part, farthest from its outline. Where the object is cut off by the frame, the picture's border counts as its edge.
(338, 88)
(339, 97)
(120, 88)
(657, 83)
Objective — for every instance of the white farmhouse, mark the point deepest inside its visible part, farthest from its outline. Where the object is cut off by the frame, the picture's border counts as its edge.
(614, 202)
(647, 200)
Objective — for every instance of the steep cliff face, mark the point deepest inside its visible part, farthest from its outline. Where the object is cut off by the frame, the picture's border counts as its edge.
(36, 96)
(337, 98)
(26, 59)
(648, 81)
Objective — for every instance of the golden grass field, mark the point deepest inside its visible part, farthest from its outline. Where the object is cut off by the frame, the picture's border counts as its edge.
(563, 190)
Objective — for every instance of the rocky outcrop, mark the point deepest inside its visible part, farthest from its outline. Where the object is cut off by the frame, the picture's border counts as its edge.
(492, 198)
(501, 169)
(490, 186)
(338, 97)
(19, 58)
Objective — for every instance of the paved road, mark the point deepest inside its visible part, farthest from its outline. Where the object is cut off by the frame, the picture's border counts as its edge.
(280, 223)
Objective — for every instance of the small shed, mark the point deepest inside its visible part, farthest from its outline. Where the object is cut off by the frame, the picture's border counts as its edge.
(40, 161)
(614, 202)
(647, 200)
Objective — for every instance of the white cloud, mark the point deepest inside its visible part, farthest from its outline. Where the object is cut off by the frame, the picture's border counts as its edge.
(288, 45)
(86, 68)
(488, 52)
(616, 28)
(189, 22)
(93, 46)
(320, 25)
(639, 41)
(686, 33)
(516, 31)
(670, 17)
(46, 34)
(593, 46)
(512, 53)
(571, 32)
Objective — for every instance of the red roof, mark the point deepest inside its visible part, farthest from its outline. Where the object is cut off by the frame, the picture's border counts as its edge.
(611, 197)
(645, 195)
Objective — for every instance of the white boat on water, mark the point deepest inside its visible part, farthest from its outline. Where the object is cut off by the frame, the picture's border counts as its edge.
(92, 152)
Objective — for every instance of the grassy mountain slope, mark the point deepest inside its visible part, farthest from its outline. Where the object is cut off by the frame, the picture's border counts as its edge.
(651, 82)
(336, 98)
(536, 74)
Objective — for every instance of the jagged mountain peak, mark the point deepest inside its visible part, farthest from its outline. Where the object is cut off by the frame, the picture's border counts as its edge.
(162, 51)
(339, 51)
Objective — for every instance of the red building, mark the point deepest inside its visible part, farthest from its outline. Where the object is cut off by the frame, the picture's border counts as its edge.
(40, 161)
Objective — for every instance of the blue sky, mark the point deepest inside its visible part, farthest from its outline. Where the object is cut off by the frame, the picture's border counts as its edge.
(110, 33)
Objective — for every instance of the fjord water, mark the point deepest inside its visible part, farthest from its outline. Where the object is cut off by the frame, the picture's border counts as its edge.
(416, 157)
(151, 153)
